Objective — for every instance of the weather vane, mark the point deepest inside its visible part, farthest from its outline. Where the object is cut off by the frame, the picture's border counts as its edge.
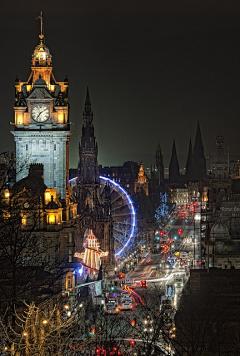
(41, 19)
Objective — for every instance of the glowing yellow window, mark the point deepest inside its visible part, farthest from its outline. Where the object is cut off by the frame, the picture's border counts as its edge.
(61, 117)
(51, 219)
(19, 118)
(24, 220)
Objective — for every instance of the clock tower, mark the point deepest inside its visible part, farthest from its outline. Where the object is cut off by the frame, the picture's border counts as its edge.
(42, 127)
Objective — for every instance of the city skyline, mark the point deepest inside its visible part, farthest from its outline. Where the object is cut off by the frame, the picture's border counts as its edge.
(153, 72)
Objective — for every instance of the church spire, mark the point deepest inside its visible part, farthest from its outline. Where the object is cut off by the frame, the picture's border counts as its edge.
(190, 162)
(88, 169)
(174, 175)
(87, 109)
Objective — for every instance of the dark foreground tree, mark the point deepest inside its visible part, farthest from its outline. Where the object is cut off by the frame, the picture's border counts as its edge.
(206, 325)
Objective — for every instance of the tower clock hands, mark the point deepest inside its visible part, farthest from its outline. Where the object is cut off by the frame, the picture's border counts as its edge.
(41, 113)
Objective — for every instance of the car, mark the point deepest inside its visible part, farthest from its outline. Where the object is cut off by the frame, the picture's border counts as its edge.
(126, 304)
(143, 284)
(130, 282)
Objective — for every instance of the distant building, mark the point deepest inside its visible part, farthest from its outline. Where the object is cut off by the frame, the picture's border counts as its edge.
(222, 250)
(220, 180)
(126, 175)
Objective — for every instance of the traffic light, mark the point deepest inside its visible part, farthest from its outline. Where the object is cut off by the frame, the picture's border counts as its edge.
(115, 351)
(132, 343)
(112, 288)
(161, 233)
(92, 331)
(179, 231)
(157, 238)
(133, 322)
(100, 352)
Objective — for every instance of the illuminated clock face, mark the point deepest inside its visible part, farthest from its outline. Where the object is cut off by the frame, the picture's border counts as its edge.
(40, 112)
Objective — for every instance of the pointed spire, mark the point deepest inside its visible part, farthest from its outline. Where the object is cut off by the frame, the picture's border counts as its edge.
(190, 162)
(174, 175)
(87, 110)
(158, 148)
(198, 147)
(158, 154)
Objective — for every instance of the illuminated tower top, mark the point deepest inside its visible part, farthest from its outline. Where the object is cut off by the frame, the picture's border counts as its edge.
(141, 175)
(41, 67)
(41, 55)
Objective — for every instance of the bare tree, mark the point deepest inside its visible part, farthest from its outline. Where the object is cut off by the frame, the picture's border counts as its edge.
(205, 326)
(29, 258)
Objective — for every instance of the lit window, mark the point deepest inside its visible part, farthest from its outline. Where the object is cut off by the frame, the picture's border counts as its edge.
(51, 219)
(24, 220)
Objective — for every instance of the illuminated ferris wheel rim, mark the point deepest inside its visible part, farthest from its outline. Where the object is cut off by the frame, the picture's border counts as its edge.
(132, 209)
(131, 206)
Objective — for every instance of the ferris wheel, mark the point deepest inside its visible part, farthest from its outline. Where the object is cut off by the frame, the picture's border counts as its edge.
(123, 215)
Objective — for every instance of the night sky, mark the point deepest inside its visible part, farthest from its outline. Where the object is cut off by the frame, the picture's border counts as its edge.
(153, 68)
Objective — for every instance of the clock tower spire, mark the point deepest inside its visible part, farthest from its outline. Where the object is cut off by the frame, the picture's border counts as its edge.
(41, 125)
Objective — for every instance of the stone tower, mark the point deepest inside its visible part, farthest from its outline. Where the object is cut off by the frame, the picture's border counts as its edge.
(94, 203)
(220, 181)
(41, 125)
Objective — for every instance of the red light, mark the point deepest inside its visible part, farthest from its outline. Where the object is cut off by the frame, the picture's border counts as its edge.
(161, 233)
(114, 348)
(98, 351)
(194, 204)
(131, 306)
(132, 342)
(133, 322)
(199, 262)
(188, 206)
(179, 231)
